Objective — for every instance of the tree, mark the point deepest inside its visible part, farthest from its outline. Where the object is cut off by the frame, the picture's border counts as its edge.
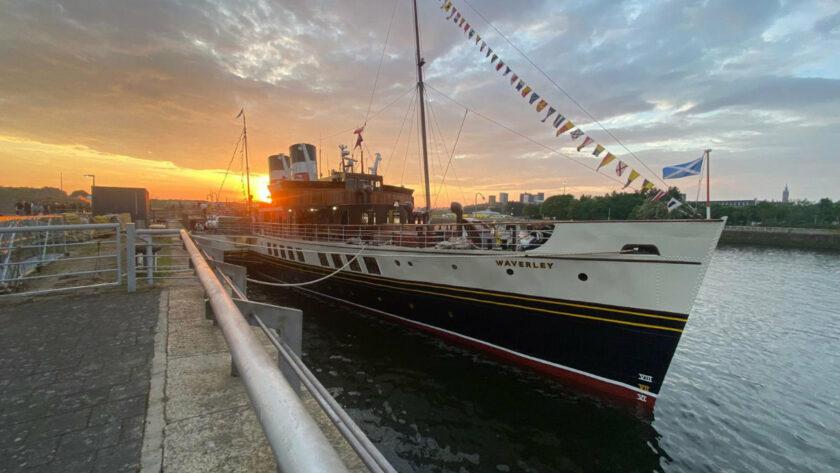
(560, 207)
(79, 193)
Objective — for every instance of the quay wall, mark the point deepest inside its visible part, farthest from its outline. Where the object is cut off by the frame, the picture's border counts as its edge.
(783, 237)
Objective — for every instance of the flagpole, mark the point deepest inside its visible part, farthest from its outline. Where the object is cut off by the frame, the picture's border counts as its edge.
(708, 186)
(420, 91)
(247, 167)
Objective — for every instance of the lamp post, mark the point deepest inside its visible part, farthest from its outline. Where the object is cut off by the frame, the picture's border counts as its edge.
(93, 184)
(475, 202)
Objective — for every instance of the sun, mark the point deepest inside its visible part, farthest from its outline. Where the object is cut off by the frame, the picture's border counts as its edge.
(260, 190)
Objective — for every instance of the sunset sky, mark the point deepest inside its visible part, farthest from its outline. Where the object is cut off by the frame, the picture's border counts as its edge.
(144, 93)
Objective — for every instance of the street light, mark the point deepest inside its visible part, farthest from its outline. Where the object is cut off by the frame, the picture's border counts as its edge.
(92, 176)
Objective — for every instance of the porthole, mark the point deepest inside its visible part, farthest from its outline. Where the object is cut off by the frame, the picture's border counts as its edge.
(454, 266)
(509, 271)
(410, 263)
(397, 262)
(411, 306)
(583, 276)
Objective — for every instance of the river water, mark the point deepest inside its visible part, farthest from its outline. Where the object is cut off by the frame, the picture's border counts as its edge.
(754, 385)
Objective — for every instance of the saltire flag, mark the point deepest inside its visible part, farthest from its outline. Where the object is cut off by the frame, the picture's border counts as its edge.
(513, 78)
(647, 185)
(499, 66)
(526, 91)
(519, 85)
(551, 111)
(541, 105)
(533, 98)
(691, 168)
(619, 168)
(586, 142)
(576, 134)
(558, 120)
(632, 177)
(472, 33)
(563, 129)
(598, 150)
(659, 194)
(673, 204)
(607, 160)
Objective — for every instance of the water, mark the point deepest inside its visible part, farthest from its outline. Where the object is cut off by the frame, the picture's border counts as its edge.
(754, 385)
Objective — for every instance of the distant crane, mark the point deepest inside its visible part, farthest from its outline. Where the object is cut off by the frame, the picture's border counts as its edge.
(375, 168)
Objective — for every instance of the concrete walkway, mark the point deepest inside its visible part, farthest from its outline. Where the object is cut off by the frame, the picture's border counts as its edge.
(108, 381)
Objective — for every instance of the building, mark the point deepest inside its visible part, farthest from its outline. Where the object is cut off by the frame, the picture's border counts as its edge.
(503, 197)
(119, 200)
(525, 198)
(540, 198)
(491, 200)
(786, 194)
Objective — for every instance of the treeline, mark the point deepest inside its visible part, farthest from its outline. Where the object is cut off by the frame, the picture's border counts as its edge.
(638, 206)
(805, 214)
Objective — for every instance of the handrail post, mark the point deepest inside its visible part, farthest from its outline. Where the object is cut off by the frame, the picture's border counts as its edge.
(117, 245)
(131, 256)
(150, 264)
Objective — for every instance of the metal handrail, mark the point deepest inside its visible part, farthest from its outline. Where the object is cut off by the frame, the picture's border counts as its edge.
(297, 442)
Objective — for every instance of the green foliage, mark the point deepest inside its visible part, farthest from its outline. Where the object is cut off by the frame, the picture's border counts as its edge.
(823, 214)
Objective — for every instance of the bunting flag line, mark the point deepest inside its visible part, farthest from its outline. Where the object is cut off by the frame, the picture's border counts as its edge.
(632, 177)
(551, 111)
(620, 167)
(558, 120)
(607, 160)
(659, 194)
(586, 142)
(563, 129)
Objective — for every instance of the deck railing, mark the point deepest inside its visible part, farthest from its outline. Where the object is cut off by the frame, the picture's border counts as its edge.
(507, 236)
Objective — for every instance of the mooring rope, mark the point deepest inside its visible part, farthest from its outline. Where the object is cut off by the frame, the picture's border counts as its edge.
(266, 283)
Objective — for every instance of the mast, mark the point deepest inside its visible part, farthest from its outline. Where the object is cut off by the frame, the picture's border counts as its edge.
(247, 167)
(421, 92)
(708, 187)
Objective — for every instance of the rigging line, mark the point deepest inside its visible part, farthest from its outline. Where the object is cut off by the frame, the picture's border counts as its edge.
(454, 145)
(527, 58)
(526, 137)
(439, 150)
(374, 115)
(407, 145)
(381, 58)
(402, 126)
(230, 163)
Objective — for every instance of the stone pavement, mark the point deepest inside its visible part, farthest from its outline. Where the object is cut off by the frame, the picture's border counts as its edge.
(74, 380)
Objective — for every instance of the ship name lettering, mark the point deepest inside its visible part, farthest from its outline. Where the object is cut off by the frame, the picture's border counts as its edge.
(524, 264)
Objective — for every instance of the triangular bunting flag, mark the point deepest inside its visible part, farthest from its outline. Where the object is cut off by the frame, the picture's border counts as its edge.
(526, 91)
(483, 45)
(551, 111)
(598, 150)
(619, 168)
(489, 52)
(647, 185)
(507, 70)
(472, 33)
(576, 134)
(466, 27)
(447, 5)
(457, 16)
(586, 142)
(454, 11)
(513, 78)
(461, 23)
(607, 160)
(533, 98)
(563, 129)
(499, 66)
(494, 59)
(541, 105)
(632, 177)
(519, 85)
(477, 38)
(559, 119)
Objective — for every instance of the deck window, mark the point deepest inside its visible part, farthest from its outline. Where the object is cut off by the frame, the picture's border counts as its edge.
(323, 259)
(290, 251)
(354, 263)
(300, 256)
(283, 252)
(372, 265)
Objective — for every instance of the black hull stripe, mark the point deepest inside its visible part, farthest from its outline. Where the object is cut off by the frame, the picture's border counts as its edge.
(354, 277)
(670, 316)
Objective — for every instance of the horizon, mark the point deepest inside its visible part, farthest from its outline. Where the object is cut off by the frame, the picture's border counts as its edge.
(144, 95)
